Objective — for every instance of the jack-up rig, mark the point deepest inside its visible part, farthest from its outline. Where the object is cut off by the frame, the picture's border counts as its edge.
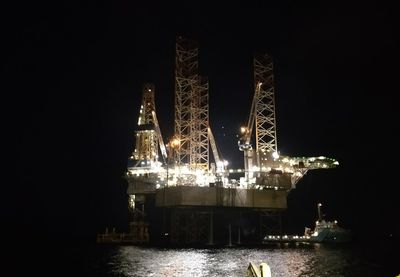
(182, 198)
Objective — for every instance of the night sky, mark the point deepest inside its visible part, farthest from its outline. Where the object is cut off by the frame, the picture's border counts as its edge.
(74, 75)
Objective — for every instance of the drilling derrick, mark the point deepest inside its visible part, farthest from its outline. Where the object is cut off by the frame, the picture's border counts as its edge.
(191, 108)
(146, 148)
(143, 167)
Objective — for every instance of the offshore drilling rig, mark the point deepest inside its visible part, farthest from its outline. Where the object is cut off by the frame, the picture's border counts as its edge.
(181, 198)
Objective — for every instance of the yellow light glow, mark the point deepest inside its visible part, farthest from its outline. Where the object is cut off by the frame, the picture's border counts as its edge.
(175, 143)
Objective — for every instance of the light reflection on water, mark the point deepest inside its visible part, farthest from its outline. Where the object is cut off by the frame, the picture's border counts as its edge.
(312, 261)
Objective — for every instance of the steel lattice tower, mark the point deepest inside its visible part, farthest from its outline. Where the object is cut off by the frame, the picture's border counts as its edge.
(199, 126)
(265, 106)
(191, 107)
(148, 104)
(146, 139)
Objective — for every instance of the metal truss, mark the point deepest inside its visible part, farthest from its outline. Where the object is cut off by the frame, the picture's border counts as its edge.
(199, 127)
(146, 139)
(191, 107)
(148, 103)
(270, 223)
(190, 226)
(265, 106)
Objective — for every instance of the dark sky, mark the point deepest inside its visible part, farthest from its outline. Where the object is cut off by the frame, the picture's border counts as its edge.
(74, 77)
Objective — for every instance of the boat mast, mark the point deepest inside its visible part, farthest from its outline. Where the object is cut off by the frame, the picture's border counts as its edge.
(319, 212)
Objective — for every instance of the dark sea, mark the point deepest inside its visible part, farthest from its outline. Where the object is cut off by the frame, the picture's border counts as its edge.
(284, 260)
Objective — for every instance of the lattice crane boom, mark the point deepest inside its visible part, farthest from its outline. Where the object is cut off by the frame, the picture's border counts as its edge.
(214, 146)
(245, 140)
(159, 136)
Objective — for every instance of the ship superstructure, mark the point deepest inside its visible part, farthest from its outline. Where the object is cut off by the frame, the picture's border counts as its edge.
(178, 196)
(327, 231)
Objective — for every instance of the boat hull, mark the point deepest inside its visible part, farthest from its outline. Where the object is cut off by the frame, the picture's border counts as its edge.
(331, 235)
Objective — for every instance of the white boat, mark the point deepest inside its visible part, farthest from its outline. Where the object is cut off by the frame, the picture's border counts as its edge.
(324, 231)
(327, 231)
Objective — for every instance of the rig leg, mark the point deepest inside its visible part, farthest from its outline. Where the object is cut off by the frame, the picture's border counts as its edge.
(211, 229)
(229, 235)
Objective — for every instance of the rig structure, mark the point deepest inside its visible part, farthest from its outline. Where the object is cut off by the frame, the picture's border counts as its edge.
(181, 198)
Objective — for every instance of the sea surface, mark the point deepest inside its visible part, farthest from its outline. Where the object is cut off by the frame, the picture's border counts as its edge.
(284, 260)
